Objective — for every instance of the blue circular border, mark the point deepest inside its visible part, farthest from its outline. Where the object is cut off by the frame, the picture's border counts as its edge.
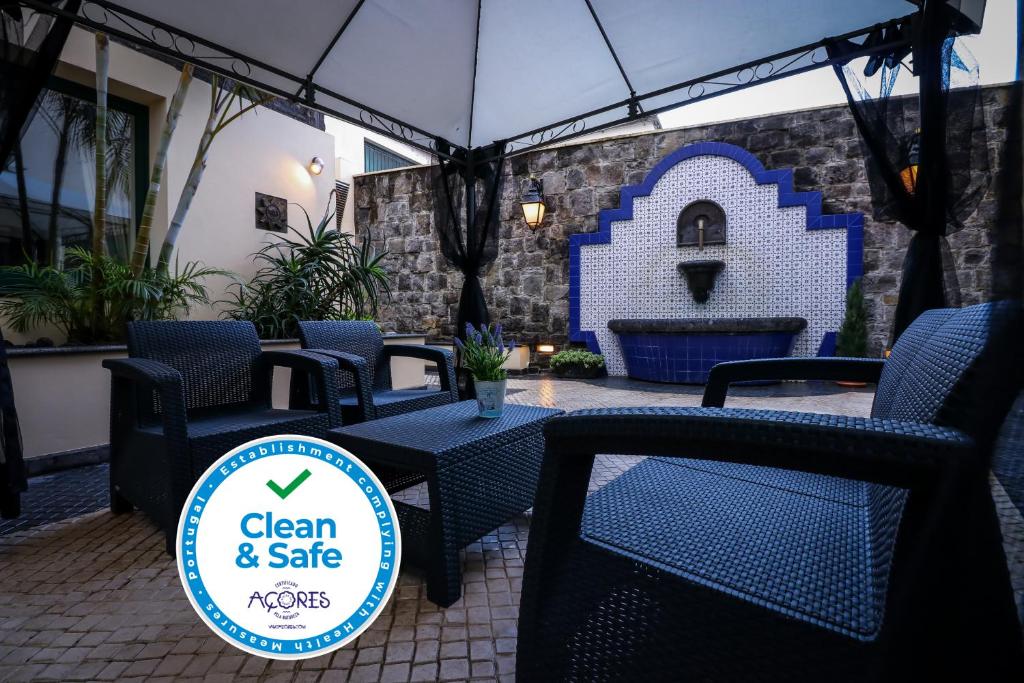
(208, 485)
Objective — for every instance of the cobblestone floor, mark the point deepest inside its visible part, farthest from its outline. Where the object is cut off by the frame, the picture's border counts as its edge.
(95, 596)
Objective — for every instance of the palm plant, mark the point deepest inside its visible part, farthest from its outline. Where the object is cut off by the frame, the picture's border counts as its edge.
(91, 295)
(316, 274)
(34, 295)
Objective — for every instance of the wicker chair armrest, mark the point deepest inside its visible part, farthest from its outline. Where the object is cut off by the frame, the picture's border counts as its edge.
(142, 370)
(443, 358)
(323, 369)
(888, 452)
(844, 369)
(360, 370)
(155, 376)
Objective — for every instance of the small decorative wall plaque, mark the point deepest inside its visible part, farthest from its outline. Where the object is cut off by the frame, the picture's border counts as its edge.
(271, 213)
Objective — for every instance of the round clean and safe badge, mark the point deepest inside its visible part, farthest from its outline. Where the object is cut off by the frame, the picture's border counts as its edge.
(288, 547)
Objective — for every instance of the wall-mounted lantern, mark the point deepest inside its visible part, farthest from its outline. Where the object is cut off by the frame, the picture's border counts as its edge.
(533, 203)
(911, 158)
(316, 166)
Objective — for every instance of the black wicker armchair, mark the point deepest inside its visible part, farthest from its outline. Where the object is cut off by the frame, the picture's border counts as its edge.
(364, 362)
(190, 392)
(799, 546)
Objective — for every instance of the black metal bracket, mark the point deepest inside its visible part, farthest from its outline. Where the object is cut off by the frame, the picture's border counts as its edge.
(151, 35)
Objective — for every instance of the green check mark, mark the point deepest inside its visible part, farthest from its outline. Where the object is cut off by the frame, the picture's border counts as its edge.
(290, 488)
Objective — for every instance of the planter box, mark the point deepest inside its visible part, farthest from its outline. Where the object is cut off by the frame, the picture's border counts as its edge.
(63, 393)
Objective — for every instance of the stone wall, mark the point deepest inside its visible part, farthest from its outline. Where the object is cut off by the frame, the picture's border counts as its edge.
(527, 286)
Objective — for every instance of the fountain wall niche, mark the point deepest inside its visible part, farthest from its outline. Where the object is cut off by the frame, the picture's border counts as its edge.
(711, 258)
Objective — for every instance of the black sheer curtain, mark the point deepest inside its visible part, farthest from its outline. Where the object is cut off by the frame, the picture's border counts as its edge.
(927, 161)
(12, 464)
(467, 194)
(30, 44)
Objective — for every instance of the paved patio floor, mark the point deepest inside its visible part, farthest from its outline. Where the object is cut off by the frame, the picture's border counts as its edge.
(94, 596)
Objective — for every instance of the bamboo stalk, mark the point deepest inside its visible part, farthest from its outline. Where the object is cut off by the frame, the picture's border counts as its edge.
(56, 257)
(216, 121)
(99, 216)
(99, 222)
(156, 176)
(188, 193)
(28, 241)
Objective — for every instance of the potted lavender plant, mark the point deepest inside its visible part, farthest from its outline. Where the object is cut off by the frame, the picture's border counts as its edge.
(483, 353)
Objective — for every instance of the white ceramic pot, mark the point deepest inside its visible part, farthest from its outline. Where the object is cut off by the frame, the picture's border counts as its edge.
(490, 397)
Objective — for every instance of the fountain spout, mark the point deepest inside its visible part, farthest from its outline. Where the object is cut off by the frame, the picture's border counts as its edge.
(700, 277)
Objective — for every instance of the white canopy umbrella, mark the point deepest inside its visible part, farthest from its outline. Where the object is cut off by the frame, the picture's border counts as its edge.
(476, 80)
(476, 72)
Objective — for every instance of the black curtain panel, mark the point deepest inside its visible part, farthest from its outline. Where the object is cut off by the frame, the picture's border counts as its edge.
(926, 158)
(30, 44)
(466, 197)
(12, 464)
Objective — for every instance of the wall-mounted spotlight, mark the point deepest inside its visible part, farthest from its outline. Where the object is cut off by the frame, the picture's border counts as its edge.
(316, 166)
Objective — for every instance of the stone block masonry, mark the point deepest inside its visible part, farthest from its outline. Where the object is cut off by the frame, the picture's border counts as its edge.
(527, 286)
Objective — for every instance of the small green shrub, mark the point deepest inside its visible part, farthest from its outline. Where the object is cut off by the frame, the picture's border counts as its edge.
(852, 338)
(576, 358)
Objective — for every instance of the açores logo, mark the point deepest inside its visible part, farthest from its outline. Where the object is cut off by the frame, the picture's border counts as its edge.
(288, 547)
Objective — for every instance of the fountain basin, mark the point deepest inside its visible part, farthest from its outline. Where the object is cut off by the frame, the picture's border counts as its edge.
(683, 350)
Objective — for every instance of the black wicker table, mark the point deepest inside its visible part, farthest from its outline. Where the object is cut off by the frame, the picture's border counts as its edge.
(480, 473)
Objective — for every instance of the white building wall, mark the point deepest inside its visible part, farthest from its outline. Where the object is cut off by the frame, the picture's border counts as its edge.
(263, 151)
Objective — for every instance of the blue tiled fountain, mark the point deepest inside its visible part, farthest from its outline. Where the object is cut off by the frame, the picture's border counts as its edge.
(711, 258)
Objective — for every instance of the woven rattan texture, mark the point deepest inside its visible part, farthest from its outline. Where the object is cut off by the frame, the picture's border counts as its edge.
(940, 364)
(359, 337)
(690, 570)
(190, 392)
(388, 403)
(480, 473)
(445, 431)
(215, 357)
(800, 544)
(365, 370)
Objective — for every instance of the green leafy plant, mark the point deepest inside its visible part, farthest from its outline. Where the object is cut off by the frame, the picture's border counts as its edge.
(34, 295)
(577, 363)
(91, 295)
(483, 352)
(316, 274)
(852, 338)
(577, 358)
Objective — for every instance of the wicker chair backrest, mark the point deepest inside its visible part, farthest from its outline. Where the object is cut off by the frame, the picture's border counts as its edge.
(955, 367)
(215, 357)
(360, 337)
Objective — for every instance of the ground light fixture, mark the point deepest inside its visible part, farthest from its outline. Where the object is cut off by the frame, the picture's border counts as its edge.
(533, 203)
(316, 166)
(545, 348)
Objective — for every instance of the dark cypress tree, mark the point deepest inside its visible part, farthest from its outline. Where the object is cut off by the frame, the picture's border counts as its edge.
(852, 339)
